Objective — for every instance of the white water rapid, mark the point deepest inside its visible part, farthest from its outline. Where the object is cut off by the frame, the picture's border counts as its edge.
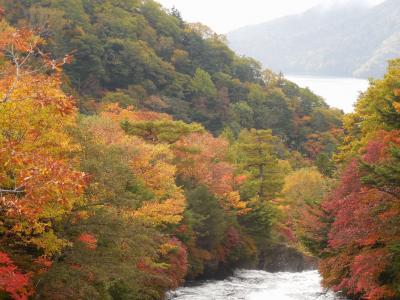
(258, 285)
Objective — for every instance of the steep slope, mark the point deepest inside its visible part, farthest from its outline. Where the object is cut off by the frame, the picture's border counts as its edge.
(138, 53)
(342, 40)
(127, 203)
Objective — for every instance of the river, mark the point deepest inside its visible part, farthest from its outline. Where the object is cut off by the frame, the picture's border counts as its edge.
(338, 92)
(258, 285)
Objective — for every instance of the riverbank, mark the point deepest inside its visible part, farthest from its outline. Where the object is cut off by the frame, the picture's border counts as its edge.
(281, 258)
(278, 258)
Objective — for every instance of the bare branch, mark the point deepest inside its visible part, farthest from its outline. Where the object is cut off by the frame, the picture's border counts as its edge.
(17, 190)
(17, 76)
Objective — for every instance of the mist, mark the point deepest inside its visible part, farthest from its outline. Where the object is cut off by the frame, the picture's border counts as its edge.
(225, 15)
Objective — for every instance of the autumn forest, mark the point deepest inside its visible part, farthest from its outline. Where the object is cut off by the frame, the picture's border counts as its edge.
(137, 151)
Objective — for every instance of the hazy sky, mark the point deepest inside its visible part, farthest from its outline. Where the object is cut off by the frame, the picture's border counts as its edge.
(225, 15)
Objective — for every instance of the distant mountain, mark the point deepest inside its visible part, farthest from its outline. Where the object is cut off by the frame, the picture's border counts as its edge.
(339, 40)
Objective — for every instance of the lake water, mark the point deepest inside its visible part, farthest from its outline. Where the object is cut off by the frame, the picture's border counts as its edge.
(338, 92)
(258, 285)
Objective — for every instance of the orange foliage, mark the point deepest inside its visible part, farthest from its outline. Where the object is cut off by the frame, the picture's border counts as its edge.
(20, 40)
(12, 281)
(232, 201)
(89, 240)
(171, 269)
(150, 163)
(116, 113)
(38, 180)
(44, 264)
(169, 211)
(201, 157)
(314, 145)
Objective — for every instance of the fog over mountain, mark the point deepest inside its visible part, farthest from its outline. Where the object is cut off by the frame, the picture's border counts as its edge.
(338, 38)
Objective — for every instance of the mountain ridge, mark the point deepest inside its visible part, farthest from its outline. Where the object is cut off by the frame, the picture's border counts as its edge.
(353, 40)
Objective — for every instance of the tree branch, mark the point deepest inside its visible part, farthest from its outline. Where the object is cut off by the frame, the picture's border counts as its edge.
(17, 75)
(17, 190)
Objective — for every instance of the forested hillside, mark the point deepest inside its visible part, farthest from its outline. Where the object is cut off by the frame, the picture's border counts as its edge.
(111, 186)
(138, 151)
(136, 53)
(345, 39)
